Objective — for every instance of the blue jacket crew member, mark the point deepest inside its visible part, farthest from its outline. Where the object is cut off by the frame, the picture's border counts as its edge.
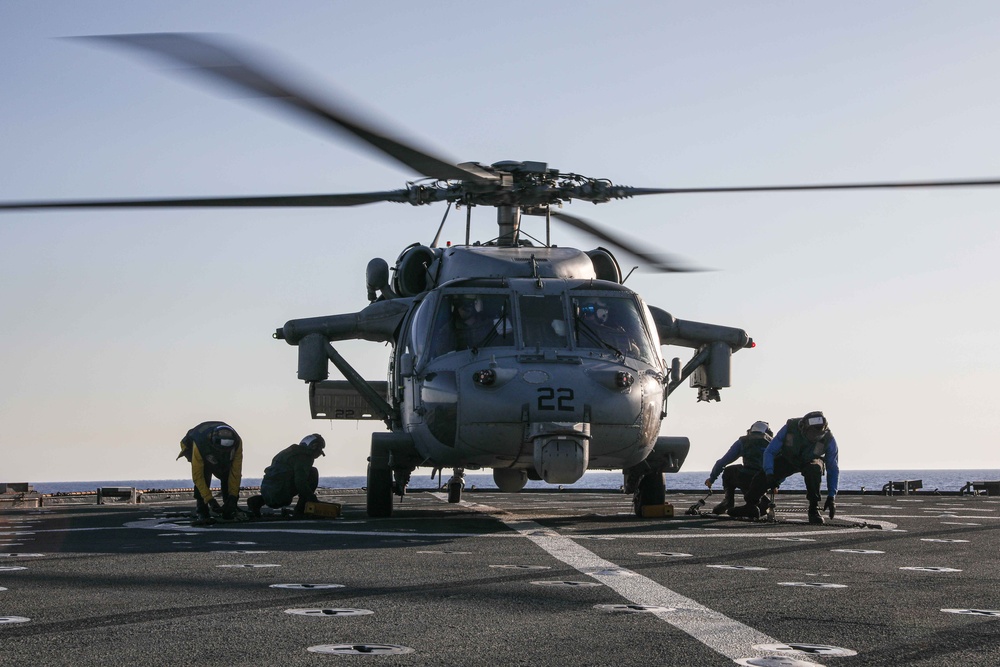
(804, 445)
(750, 448)
(214, 448)
(290, 474)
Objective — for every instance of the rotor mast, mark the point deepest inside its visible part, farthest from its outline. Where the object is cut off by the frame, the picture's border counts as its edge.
(509, 222)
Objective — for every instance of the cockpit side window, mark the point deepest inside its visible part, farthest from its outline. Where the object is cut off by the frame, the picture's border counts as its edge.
(543, 321)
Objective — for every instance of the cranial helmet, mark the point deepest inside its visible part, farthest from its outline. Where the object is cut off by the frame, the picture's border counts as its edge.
(469, 302)
(314, 443)
(595, 308)
(813, 425)
(223, 436)
(759, 427)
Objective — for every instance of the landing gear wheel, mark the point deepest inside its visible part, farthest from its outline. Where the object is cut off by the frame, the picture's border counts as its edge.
(651, 491)
(379, 492)
(455, 486)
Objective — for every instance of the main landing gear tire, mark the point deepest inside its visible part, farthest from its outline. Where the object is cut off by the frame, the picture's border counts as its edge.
(379, 494)
(455, 492)
(651, 491)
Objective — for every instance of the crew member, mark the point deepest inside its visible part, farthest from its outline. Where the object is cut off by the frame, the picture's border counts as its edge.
(290, 474)
(597, 327)
(473, 327)
(214, 448)
(803, 445)
(750, 448)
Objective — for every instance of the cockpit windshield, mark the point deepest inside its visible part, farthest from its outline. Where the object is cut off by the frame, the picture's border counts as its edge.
(543, 321)
(613, 323)
(471, 322)
(610, 322)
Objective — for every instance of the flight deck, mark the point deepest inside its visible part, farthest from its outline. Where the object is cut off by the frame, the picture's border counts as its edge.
(535, 578)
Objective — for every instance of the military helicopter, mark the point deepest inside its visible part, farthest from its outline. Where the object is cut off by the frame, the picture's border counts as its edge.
(509, 353)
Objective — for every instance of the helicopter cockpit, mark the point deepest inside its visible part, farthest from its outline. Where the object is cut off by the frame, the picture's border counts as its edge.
(583, 317)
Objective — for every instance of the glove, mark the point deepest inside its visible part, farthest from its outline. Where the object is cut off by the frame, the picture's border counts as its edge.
(708, 483)
(771, 480)
(229, 508)
(831, 506)
(213, 504)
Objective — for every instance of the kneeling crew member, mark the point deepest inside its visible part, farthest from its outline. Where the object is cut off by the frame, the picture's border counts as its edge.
(751, 448)
(290, 474)
(804, 445)
(214, 448)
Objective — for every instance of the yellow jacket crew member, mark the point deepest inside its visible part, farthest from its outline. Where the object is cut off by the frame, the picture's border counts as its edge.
(214, 448)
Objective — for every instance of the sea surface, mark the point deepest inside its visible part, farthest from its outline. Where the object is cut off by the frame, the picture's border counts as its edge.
(871, 480)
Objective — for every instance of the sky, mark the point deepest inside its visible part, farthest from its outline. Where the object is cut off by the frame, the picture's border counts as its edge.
(121, 330)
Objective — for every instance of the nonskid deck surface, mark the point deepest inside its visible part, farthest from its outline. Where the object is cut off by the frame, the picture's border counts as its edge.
(525, 579)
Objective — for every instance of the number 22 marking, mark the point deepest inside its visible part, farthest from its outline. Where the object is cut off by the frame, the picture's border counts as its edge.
(547, 399)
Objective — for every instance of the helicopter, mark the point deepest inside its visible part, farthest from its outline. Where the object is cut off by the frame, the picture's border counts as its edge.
(509, 353)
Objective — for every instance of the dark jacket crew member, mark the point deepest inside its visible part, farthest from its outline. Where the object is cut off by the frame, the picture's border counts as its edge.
(804, 445)
(214, 448)
(750, 448)
(290, 474)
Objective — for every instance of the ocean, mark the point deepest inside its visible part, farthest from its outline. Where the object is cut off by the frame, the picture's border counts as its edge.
(871, 480)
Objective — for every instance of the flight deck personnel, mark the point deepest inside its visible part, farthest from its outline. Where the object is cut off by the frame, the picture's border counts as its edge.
(804, 445)
(290, 474)
(214, 448)
(750, 448)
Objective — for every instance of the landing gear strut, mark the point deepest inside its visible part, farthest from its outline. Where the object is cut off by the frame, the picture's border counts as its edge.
(379, 495)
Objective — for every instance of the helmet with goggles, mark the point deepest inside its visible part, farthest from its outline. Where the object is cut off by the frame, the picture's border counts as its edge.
(813, 425)
(224, 436)
(594, 309)
(314, 443)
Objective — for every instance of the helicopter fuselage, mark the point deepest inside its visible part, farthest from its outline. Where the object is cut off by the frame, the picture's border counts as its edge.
(541, 385)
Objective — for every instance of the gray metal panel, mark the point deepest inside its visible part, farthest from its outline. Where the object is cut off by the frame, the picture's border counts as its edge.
(337, 399)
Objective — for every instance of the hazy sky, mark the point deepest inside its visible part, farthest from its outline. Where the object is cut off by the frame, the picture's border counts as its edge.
(120, 330)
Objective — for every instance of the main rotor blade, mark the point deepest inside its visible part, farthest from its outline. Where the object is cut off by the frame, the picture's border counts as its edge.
(629, 192)
(278, 201)
(235, 67)
(659, 262)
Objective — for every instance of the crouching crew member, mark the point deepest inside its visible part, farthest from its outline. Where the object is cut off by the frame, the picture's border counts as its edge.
(290, 474)
(214, 448)
(751, 448)
(803, 445)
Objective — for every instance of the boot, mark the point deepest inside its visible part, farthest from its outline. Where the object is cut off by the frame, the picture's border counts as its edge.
(254, 503)
(764, 505)
(726, 504)
(815, 517)
(744, 512)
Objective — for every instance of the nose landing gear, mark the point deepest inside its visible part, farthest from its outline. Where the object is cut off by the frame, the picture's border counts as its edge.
(455, 485)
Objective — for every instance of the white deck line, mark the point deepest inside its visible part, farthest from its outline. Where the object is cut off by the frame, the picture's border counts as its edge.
(717, 631)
